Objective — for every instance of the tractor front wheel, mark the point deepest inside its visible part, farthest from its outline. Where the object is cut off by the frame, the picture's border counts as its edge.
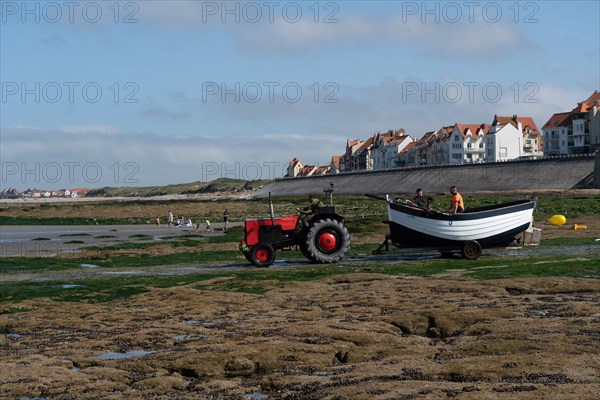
(261, 255)
(327, 241)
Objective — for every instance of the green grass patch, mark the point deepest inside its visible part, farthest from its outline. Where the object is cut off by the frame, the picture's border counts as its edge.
(186, 243)
(353, 208)
(39, 239)
(367, 224)
(251, 280)
(38, 264)
(232, 235)
(6, 329)
(97, 290)
(240, 287)
(15, 310)
(140, 236)
(568, 242)
(36, 220)
(74, 242)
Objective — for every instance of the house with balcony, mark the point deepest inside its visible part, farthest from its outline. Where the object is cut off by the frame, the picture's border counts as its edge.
(466, 143)
(558, 134)
(362, 159)
(294, 168)
(438, 150)
(512, 137)
(576, 131)
(407, 156)
(581, 130)
(350, 161)
(387, 147)
(532, 138)
(422, 148)
(335, 164)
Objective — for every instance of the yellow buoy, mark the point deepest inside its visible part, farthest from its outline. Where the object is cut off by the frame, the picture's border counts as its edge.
(557, 220)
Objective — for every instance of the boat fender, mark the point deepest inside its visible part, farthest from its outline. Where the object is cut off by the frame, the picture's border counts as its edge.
(558, 220)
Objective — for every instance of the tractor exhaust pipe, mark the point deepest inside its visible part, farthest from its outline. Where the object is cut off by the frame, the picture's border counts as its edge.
(271, 210)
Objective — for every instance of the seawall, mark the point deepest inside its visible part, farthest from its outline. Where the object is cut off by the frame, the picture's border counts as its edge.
(553, 173)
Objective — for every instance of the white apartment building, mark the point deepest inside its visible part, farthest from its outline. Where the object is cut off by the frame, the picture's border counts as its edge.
(576, 131)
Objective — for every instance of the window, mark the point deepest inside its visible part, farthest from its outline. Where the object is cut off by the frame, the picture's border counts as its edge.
(503, 151)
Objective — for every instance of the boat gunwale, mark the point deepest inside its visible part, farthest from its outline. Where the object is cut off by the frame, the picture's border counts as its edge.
(469, 214)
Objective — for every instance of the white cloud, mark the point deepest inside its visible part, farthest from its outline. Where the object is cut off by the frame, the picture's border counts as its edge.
(90, 129)
(32, 157)
(128, 159)
(475, 39)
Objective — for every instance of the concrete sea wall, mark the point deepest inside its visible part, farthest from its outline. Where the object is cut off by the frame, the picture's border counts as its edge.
(555, 173)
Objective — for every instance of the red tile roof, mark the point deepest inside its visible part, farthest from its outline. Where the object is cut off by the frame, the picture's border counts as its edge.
(408, 147)
(464, 128)
(336, 160)
(581, 108)
(426, 138)
(594, 97)
(322, 170)
(366, 144)
(528, 122)
(559, 120)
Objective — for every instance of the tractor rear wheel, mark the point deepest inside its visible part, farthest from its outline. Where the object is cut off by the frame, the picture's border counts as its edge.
(305, 252)
(261, 255)
(327, 241)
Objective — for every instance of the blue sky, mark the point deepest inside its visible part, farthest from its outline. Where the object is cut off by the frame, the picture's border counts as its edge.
(136, 93)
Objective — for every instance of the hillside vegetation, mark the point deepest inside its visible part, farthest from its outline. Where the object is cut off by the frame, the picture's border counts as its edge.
(218, 185)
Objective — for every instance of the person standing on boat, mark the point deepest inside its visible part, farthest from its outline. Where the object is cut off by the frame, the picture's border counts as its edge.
(458, 205)
(421, 200)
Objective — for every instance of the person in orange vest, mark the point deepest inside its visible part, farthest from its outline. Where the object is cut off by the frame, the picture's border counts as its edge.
(458, 205)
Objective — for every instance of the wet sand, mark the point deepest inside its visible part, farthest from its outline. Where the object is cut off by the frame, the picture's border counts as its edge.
(44, 240)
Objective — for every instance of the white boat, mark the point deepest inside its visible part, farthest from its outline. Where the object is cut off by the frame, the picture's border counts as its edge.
(476, 228)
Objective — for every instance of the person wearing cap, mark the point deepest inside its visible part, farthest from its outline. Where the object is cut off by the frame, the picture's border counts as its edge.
(314, 203)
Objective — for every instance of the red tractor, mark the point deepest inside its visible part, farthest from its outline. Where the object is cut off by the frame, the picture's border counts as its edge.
(321, 236)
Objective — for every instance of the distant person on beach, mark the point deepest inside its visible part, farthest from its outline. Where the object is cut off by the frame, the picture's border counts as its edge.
(170, 219)
(207, 222)
(457, 206)
(158, 221)
(225, 219)
(189, 223)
